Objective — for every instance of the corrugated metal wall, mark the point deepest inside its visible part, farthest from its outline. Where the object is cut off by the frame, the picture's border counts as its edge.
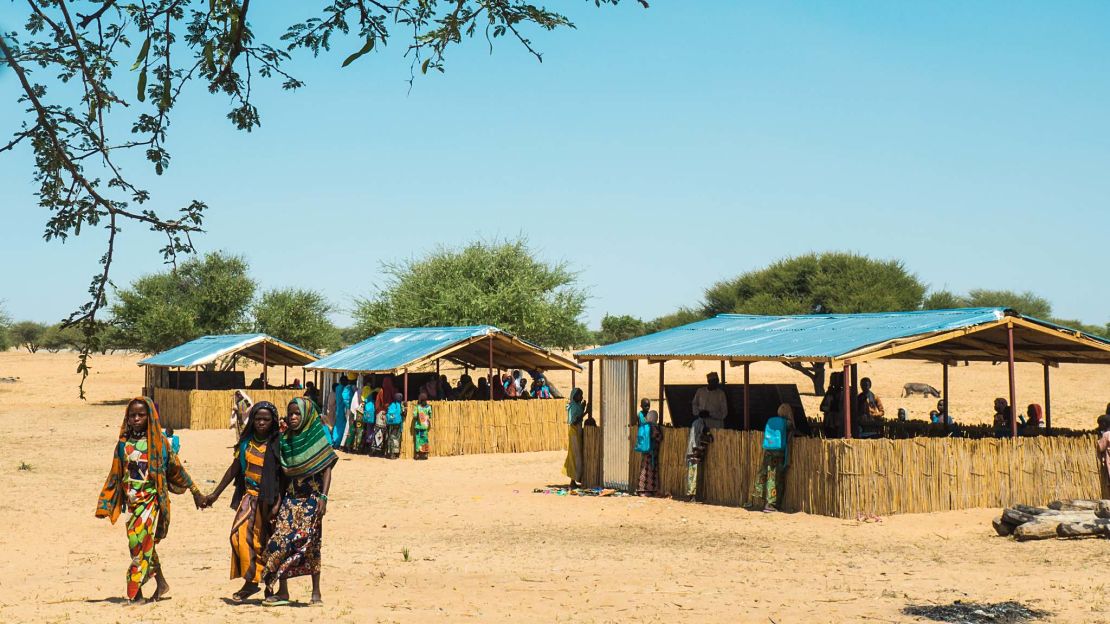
(618, 380)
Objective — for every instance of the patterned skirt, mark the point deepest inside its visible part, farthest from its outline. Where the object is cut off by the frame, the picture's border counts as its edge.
(248, 540)
(649, 474)
(294, 547)
(143, 505)
(375, 439)
(393, 439)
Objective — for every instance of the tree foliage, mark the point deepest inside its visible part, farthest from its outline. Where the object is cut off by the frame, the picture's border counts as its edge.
(298, 316)
(5, 327)
(28, 334)
(205, 295)
(831, 282)
(1025, 303)
(618, 328)
(82, 118)
(60, 336)
(499, 284)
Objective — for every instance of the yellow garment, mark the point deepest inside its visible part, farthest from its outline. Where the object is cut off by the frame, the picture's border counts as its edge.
(572, 467)
(248, 531)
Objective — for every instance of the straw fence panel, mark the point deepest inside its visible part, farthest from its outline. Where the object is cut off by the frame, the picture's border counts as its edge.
(591, 467)
(472, 427)
(672, 462)
(211, 409)
(921, 475)
(173, 407)
(847, 478)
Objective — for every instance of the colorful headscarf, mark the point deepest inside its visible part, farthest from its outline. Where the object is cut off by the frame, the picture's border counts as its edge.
(164, 470)
(305, 450)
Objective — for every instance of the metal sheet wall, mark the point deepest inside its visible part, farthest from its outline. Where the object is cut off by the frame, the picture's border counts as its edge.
(618, 379)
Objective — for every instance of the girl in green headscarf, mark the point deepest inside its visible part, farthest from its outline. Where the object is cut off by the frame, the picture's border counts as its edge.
(307, 459)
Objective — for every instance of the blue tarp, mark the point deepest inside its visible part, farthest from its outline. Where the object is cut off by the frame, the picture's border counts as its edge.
(816, 336)
(207, 349)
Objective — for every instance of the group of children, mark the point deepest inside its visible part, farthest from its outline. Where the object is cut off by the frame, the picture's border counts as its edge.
(281, 469)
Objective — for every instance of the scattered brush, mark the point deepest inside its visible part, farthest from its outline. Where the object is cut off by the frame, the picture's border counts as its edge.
(406, 555)
(25, 467)
(958, 612)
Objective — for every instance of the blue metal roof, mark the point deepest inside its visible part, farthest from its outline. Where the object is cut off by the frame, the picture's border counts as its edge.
(396, 349)
(207, 349)
(815, 336)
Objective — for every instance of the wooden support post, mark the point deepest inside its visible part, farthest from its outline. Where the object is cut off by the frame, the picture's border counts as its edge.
(406, 384)
(1013, 384)
(437, 370)
(285, 376)
(1047, 399)
(847, 401)
(662, 387)
(265, 377)
(491, 367)
(722, 372)
(572, 380)
(590, 386)
(196, 379)
(944, 393)
(747, 402)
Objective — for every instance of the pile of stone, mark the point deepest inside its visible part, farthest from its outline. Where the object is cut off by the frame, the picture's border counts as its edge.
(1062, 518)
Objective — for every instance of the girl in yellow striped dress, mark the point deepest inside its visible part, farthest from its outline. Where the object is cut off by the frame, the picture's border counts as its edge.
(255, 473)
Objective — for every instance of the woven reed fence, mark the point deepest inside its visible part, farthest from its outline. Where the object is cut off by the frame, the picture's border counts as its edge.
(591, 460)
(210, 409)
(470, 427)
(845, 478)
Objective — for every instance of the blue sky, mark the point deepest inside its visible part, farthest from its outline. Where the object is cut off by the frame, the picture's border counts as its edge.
(656, 151)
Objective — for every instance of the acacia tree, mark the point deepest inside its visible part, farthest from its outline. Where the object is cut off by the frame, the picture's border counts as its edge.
(5, 324)
(831, 282)
(205, 295)
(298, 316)
(66, 63)
(496, 284)
(28, 334)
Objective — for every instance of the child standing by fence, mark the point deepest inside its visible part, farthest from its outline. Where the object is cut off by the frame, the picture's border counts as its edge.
(648, 437)
(777, 435)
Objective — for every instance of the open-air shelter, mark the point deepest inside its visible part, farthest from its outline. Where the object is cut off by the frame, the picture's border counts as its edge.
(194, 383)
(412, 355)
(841, 342)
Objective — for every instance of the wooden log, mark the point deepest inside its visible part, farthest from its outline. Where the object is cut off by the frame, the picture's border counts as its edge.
(1074, 504)
(1036, 531)
(1044, 527)
(1103, 510)
(1015, 518)
(1098, 526)
(1000, 527)
(1034, 511)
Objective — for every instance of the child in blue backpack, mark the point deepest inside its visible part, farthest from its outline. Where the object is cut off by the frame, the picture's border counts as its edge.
(648, 437)
(394, 426)
(777, 436)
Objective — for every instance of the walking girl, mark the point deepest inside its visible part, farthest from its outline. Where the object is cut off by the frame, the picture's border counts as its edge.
(255, 471)
(144, 472)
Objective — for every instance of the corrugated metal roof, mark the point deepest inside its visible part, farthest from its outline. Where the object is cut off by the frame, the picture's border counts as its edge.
(207, 349)
(396, 349)
(817, 336)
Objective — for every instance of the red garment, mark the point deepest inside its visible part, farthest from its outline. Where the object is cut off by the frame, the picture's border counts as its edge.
(385, 397)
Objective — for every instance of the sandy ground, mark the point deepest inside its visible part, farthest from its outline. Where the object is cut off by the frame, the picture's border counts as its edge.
(482, 547)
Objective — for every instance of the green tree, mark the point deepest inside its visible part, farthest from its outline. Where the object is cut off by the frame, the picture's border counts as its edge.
(833, 282)
(297, 316)
(80, 137)
(499, 284)
(349, 336)
(1025, 303)
(618, 328)
(683, 316)
(205, 295)
(5, 329)
(28, 334)
(58, 337)
(830, 282)
(944, 300)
